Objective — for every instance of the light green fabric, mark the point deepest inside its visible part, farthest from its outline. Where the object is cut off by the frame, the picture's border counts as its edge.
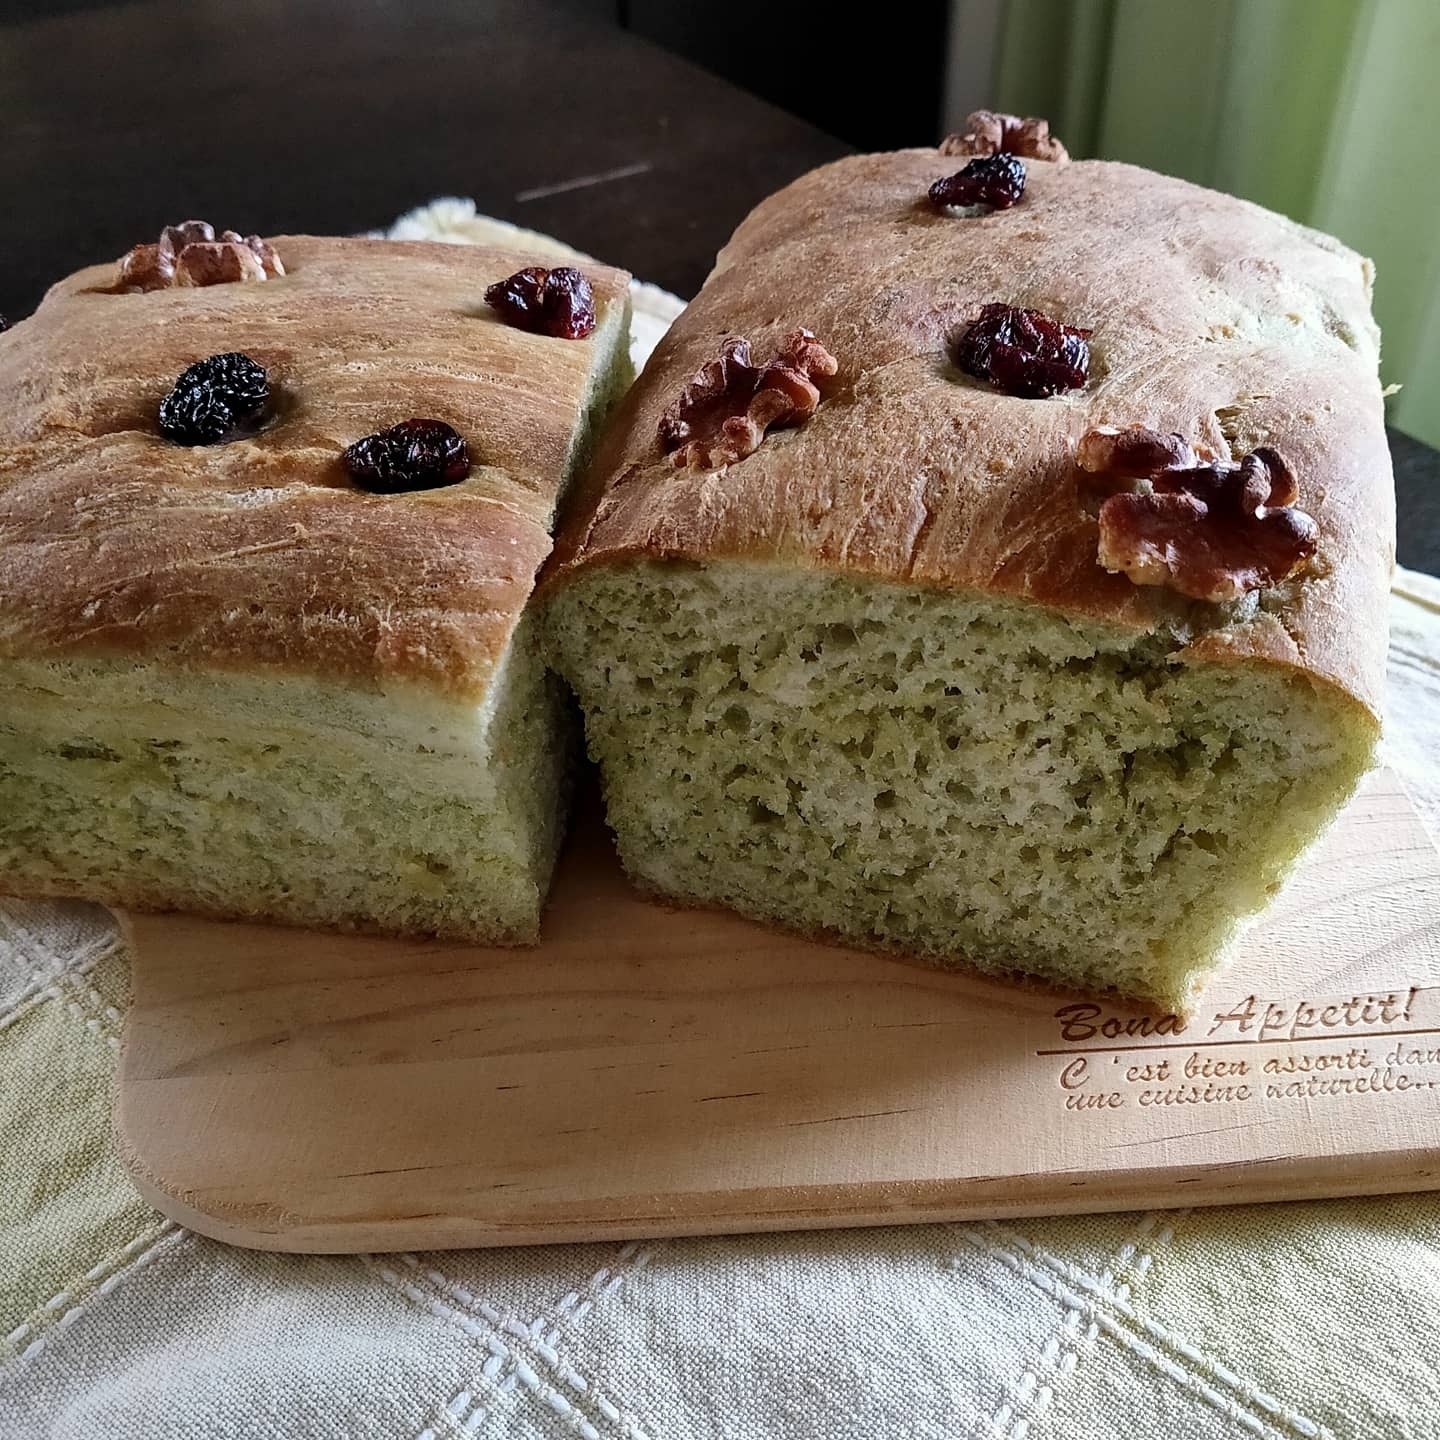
(1325, 110)
(1295, 1322)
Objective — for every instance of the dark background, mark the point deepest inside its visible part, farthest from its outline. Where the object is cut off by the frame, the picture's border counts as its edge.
(338, 115)
(641, 131)
(876, 85)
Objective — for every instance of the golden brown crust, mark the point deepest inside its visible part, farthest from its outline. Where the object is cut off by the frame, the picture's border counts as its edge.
(1211, 317)
(259, 553)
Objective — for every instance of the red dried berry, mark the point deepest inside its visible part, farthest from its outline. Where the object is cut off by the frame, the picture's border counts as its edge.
(994, 180)
(413, 455)
(555, 302)
(1024, 352)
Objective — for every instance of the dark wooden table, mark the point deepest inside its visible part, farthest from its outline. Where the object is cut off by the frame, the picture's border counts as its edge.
(337, 115)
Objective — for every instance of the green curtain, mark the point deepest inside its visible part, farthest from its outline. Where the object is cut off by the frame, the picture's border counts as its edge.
(1327, 110)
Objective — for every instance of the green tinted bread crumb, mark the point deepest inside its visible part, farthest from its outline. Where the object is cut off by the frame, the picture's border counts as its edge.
(972, 780)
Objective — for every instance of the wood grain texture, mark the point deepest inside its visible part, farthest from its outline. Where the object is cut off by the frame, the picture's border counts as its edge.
(650, 1072)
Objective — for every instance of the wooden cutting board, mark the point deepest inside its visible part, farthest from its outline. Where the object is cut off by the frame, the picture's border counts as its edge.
(650, 1072)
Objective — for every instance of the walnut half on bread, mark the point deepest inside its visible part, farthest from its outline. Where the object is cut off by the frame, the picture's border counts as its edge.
(265, 552)
(873, 679)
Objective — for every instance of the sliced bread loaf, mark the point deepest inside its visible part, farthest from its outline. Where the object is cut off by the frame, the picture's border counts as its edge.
(245, 674)
(869, 653)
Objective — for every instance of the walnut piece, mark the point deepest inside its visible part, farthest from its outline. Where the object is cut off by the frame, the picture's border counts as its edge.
(722, 414)
(174, 238)
(1136, 453)
(217, 262)
(1207, 529)
(142, 269)
(189, 254)
(989, 132)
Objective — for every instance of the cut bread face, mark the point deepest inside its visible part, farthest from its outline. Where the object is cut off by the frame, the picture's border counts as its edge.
(967, 779)
(286, 798)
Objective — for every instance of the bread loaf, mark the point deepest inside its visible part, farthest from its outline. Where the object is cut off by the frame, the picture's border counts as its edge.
(870, 678)
(232, 680)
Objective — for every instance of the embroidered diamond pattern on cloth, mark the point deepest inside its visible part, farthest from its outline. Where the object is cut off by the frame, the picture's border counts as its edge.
(521, 1353)
(1026, 1403)
(1099, 1304)
(1288, 1322)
